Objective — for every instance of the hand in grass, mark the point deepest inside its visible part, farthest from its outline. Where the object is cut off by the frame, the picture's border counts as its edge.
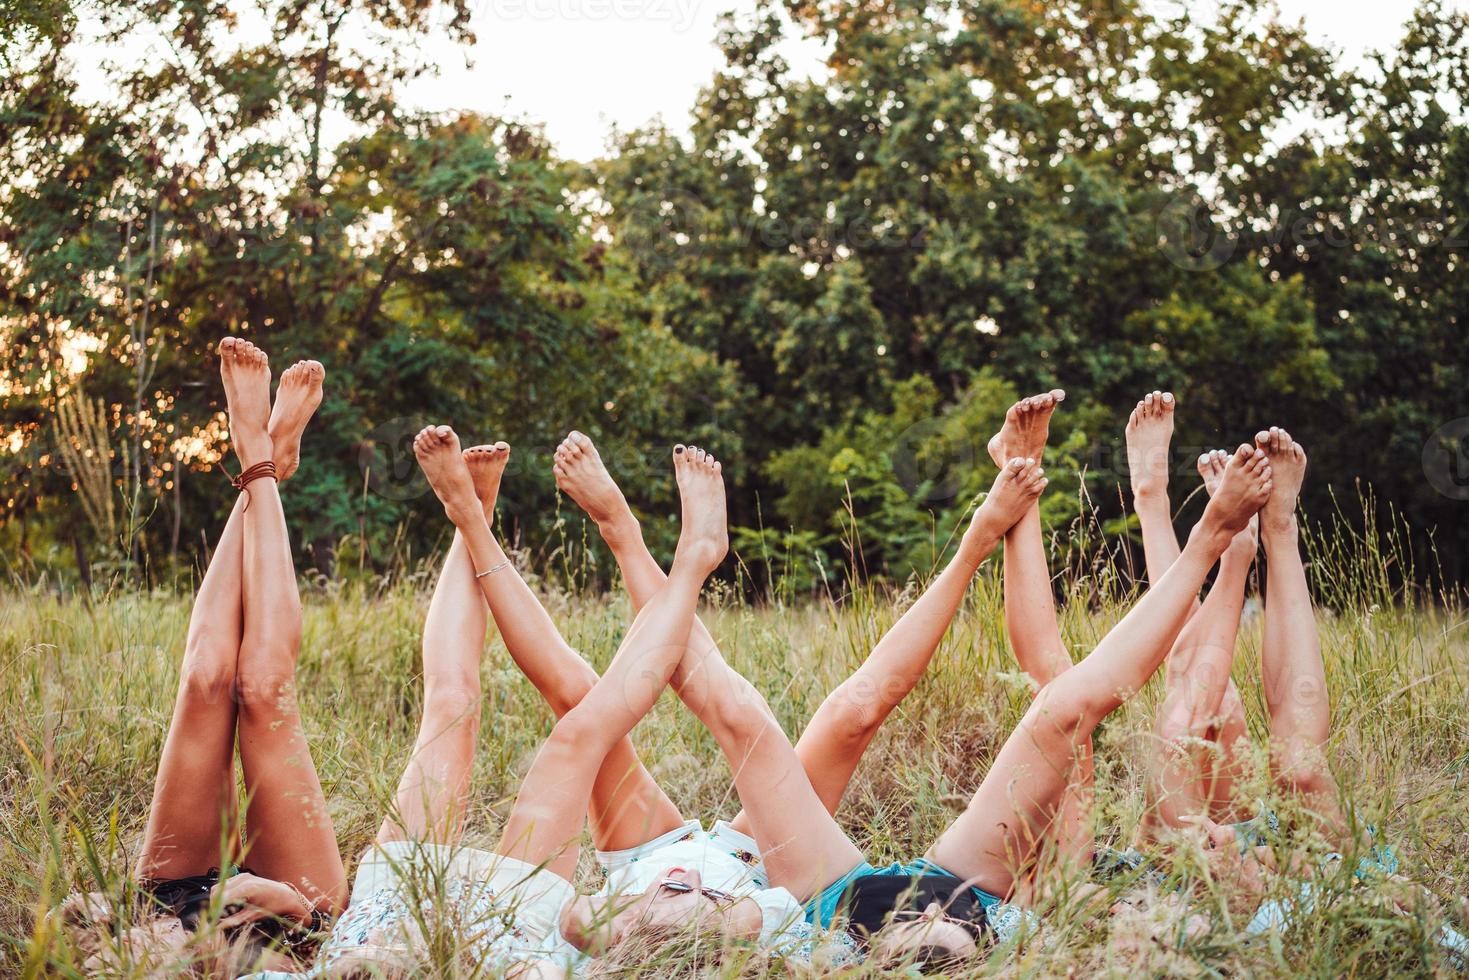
(250, 898)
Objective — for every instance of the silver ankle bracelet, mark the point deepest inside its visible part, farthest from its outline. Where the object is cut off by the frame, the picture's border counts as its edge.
(493, 570)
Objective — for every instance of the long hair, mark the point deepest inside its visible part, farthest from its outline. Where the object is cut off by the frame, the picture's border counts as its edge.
(661, 950)
(99, 929)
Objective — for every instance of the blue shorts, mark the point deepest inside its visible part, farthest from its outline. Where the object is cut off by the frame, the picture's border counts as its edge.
(821, 910)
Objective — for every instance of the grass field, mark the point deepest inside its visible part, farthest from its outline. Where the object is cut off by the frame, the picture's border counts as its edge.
(87, 690)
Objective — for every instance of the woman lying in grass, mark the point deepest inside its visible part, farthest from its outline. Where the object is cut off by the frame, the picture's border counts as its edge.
(422, 903)
(1201, 738)
(237, 687)
(931, 911)
(656, 861)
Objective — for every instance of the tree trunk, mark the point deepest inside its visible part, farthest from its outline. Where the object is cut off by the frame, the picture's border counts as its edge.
(84, 567)
(324, 555)
(178, 515)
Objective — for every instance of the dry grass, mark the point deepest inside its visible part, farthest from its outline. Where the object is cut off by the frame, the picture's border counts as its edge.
(88, 689)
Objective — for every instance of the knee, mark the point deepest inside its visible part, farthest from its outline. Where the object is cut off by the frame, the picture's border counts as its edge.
(1061, 713)
(849, 717)
(571, 686)
(1305, 775)
(1052, 664)
(1179, 722)
(452, 698)
(271, 690)
(207, 683)
(1232, 725)
(739, 711)
(580, 730)
(1173, 725)
(278, 626)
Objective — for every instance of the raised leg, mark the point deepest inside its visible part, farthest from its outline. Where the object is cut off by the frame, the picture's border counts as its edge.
(289, 834)
(628, 807)
(192, 819)
(1035, 636)
(847, 721)
(1293, 675)
(802, 846)
(1149, 434)
(1013, 815)
(1030, 610)
(546, 819)
(1030, 606)
(196, 771)
(1231, 741)
(1192, 723)
(434, 791)
(849, 718)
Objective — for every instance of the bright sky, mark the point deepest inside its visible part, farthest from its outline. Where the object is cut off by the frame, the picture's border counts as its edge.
(583, 67)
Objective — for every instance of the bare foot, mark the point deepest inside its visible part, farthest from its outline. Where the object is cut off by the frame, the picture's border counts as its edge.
(583, 477)
(704, 540)
(437, 449)
(1149, 433)
(1019, 484)
(245, 370)
(1288, 460)
(1211, 467)
(1027, 426)
(486, 467)
(297, 397)
(1242, 491)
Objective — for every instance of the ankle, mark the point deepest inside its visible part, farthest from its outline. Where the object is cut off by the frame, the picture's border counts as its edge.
(1278, 536)
(621, 531)
(253, 448)
(1211, 540)
(463, 513)
(1279, 529)
(286, 465)
(1241, 550)
(695, 560)
(980, 540)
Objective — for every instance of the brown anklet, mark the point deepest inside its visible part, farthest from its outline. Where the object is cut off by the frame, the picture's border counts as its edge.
(257, 472)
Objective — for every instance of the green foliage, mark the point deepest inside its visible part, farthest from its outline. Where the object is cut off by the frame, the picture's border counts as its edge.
(434, 265)
(1105, 198)
(1077, 195)
(909, 477)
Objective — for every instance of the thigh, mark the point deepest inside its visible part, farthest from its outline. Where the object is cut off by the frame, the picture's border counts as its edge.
(433, 793)
(1074, 835)
(803, 847)
(628, 807)
(289, 835)
(192, 819)
(1232, 753)
(1017, 809)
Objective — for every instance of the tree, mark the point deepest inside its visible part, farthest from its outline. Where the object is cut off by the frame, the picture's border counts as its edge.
(437, 266)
